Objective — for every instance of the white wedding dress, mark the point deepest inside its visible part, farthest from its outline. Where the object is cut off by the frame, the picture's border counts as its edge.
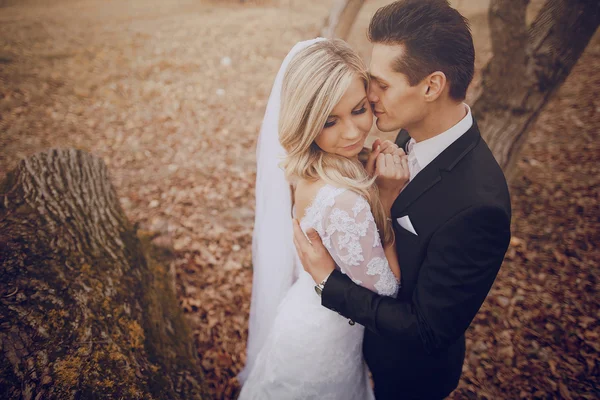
(312, 352)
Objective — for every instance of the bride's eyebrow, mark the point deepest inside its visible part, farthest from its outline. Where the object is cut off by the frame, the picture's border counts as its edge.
(358, 104)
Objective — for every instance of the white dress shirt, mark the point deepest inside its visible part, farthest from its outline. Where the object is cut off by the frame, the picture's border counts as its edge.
(422, 153)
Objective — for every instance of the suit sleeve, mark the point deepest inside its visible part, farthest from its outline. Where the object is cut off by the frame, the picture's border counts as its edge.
(461, 263)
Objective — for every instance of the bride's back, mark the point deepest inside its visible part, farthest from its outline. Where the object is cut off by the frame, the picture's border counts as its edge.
(304, 193)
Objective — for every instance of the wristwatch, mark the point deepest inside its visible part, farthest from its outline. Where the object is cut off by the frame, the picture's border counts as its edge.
(319, 287)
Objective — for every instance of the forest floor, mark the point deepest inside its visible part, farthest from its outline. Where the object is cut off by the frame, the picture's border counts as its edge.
(143, 85)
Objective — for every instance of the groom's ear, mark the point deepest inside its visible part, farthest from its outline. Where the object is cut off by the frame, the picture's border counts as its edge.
(433, 85)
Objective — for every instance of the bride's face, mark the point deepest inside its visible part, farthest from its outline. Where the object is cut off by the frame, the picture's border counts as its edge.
(349, 123)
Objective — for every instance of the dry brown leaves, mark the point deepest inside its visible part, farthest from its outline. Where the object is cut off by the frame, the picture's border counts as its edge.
(171, 95)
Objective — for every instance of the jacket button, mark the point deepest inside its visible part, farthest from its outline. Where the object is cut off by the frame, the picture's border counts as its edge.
(350, 322)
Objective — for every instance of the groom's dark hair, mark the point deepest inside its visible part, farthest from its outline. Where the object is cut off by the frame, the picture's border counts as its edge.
(435, 37)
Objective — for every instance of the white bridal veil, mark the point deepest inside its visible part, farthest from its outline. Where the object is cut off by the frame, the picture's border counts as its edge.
(273, 253)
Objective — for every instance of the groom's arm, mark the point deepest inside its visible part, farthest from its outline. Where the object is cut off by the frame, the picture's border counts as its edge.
(461, 263)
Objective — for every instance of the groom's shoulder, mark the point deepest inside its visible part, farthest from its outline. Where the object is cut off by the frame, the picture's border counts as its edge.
(475, 158)
(479, 176)
(482, 177)
(484, 162)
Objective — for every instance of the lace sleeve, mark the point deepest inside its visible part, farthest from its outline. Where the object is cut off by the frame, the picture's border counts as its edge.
(350, 234)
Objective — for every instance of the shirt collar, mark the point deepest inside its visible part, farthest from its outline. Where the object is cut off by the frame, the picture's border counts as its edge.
(427, 150)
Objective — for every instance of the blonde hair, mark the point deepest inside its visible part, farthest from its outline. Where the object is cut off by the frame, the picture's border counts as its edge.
(315, 81)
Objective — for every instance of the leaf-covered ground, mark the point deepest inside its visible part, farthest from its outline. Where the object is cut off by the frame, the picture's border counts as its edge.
(171, 95)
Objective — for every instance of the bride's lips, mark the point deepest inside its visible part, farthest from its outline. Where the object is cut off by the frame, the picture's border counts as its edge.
(353, 146)
(377, 113)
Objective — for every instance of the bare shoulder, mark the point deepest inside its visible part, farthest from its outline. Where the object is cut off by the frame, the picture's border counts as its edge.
(305, 193)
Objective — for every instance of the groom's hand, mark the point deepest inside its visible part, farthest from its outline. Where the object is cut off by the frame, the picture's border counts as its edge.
(315, 258)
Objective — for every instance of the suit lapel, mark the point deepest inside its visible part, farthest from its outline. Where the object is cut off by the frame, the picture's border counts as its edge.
(431, 174)
(424, 180)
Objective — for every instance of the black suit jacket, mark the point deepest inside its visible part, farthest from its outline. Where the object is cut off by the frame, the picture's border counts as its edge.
(460, 208)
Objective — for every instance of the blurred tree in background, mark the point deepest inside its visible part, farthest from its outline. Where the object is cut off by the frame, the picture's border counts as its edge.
(83, 308)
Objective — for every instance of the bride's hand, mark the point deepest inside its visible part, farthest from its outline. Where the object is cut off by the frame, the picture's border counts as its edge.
(379, 147)
(392, 175)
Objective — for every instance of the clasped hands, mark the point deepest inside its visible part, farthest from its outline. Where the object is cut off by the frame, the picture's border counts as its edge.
(389, 164)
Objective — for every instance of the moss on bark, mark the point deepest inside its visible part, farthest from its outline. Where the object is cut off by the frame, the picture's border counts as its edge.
(84, 312)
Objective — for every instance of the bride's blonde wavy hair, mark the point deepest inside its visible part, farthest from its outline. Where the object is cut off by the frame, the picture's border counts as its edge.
(315, 81)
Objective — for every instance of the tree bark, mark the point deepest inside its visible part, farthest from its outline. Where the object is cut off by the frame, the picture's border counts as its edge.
(341, 18)
(83, 312)
(528, 67)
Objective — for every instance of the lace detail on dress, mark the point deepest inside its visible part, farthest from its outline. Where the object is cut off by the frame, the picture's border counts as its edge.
(360, 205)
(387, 284)
(376, 239)
(312, 353)
(313, 216)
(347, 228)
(348, 238)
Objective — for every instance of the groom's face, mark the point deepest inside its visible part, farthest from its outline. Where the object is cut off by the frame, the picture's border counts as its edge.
(396, 104)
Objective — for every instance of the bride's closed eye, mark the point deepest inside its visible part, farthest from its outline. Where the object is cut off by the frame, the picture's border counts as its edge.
(362, 110)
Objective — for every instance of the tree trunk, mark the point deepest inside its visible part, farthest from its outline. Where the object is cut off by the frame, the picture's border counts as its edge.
(341, 18)
(528, 68)
(83, 312)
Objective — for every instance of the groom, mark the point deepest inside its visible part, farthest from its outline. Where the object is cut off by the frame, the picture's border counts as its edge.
(451, 221)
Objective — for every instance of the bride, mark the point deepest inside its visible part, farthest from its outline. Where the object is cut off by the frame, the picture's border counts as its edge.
(316, 123)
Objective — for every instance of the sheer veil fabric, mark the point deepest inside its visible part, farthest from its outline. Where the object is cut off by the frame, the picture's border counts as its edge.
(273, 253)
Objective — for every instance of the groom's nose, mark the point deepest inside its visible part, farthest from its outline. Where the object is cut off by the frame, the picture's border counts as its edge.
(372, 96)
